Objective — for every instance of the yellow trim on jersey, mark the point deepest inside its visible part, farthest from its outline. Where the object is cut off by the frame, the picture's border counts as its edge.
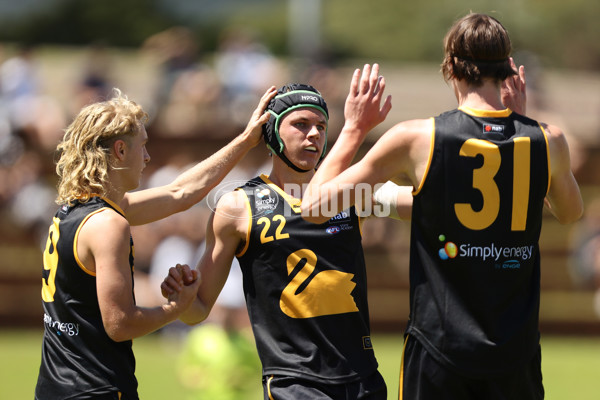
(429, 160)
(76, 239)
(269, 387)
(361, 221)
(486, 113)
(401, 382)
(291, 200)
(115, 206)
(547, 157)
(249, 211)
(112, 203)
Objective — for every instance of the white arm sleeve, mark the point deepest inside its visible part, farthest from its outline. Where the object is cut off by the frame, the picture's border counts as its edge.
(387, 195)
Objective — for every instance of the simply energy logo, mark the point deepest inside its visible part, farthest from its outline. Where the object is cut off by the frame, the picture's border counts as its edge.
(449, 250)
(504, 257)
(265, 199)
(61, 328)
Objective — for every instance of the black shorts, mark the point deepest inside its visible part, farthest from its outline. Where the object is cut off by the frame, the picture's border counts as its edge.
(278, 387)
(424, 378)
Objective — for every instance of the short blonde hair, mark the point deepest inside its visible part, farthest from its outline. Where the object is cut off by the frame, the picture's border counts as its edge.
(85, 148)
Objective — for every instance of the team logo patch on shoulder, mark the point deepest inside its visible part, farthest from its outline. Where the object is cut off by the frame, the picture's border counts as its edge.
(489, 128)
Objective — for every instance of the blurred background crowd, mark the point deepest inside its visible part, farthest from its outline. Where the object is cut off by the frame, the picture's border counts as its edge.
(199, 68)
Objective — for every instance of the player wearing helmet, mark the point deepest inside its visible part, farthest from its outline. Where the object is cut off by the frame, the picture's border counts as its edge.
(305, 284)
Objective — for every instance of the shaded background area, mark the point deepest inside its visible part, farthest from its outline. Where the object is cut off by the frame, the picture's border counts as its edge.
(199, 68)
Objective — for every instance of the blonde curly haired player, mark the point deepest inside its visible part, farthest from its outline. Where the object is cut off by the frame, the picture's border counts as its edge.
(90, 312)
(85, 149)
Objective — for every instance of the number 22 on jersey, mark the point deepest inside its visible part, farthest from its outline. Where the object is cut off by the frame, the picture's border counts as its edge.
(264, 236)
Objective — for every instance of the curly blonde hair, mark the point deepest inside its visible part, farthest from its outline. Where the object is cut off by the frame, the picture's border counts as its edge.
(85, 148)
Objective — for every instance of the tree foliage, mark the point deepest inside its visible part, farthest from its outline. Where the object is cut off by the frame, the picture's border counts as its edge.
(79, 22)
(563, 34)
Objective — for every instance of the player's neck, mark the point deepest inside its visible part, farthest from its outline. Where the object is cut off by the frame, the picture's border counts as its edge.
(486, 97)
(116, 191)
(281, 175)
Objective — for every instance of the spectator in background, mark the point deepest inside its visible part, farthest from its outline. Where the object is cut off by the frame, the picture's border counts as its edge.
(539, 105)
(19, 78)
(30, 126)
(244, 66)
(177, 50)
(33, 116)
(96, 79)
(585, 260)
(189, 90)
(31, 191)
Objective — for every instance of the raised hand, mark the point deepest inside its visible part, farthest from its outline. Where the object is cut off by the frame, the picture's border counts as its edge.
(363, 108)
(259, 117)
(513, 90)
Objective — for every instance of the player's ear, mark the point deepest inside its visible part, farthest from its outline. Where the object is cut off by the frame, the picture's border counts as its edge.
(119, 148)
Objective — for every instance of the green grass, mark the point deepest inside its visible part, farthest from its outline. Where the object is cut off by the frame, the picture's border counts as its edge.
(570, 365)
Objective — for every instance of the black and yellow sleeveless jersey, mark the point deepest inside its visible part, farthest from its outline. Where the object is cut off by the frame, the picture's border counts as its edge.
(306, 289)
(476, 221)
(79, 360)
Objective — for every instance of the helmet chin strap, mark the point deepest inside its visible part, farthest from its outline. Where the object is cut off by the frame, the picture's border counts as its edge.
(291, 165)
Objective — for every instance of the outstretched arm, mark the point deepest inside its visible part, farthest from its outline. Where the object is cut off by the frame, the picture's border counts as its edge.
(396, 200)
(401, 155)
(193, 185)
(362, 112)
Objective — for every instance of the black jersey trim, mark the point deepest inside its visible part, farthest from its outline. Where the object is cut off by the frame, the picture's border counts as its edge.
(429, 159)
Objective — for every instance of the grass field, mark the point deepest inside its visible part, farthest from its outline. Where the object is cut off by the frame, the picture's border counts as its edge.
(571, 366)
